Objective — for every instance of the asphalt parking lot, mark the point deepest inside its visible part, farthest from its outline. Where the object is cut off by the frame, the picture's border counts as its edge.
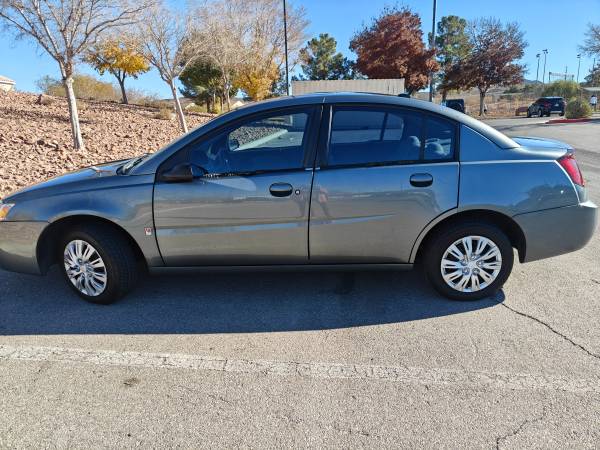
(330, 360)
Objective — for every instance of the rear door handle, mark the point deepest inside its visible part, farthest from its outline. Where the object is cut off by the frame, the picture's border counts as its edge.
(281, 189)
(421, 180)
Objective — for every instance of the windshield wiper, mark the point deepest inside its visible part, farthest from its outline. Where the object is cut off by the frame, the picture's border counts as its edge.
(125, 168)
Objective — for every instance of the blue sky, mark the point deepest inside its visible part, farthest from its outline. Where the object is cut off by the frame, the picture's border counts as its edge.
(557, 25)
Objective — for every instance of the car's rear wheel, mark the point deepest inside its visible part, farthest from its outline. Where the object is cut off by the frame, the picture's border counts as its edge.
(469, 261)
(98, 263)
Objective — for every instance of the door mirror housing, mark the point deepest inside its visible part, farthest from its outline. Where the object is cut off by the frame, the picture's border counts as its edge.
(181, 173)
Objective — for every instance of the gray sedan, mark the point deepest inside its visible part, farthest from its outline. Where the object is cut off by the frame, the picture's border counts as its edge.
(342, 181)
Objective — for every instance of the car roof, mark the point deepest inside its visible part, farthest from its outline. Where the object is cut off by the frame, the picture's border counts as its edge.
(487, 131)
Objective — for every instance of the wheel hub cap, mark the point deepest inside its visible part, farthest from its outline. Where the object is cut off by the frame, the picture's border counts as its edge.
(471, 264)
(85, 268)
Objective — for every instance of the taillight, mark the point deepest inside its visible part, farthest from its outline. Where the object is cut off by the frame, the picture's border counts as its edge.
(569, 163)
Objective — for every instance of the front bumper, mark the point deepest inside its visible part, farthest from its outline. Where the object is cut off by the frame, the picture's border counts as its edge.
(18, 246)
(557, 231)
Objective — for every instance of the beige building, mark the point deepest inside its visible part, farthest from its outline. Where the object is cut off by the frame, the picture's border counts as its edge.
(391, 86)
(6, 84)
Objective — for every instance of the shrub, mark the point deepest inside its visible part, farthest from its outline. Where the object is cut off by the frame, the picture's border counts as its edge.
(164, 114)
(85, 87)
(142, 98)
(197, 108)
(578, 109)
(562, 88)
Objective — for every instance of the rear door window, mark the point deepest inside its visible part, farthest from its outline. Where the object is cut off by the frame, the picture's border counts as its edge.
(376, 136)
(366, 135)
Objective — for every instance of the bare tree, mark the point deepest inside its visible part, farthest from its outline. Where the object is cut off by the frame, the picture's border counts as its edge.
(248, 35)
(267, 30)
(65, 29)
(591, 45)
(223, 32)
(170, 48)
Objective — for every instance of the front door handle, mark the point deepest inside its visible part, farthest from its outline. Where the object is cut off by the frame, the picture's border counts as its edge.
(281, 189)
(421, 180)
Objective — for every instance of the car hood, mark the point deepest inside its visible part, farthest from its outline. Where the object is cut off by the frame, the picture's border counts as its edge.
(82, 179)
(543, 147)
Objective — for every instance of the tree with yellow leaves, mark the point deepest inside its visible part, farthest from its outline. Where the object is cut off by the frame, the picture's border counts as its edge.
(256, 79)
(119, 56)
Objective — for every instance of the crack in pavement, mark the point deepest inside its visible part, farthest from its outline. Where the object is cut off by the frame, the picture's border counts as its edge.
(521, 427)
(552, 329)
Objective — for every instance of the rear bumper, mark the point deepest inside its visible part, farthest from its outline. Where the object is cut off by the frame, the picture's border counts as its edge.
(557, 231)
(18, 246)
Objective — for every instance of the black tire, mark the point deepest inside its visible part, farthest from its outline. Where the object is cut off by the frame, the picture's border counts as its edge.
(122, 271)
(528, 113)
(436, 248)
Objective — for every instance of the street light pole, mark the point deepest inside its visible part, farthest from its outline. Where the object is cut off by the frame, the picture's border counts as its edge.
(544, 75)
(537, 72)
(578, 65)
(285, 39)
(432, 45)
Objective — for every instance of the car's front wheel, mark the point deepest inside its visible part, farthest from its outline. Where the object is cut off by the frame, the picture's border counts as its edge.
(98, 263)
(469, 261)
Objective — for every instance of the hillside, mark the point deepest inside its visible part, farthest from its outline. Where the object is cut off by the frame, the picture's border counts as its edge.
(35, 140)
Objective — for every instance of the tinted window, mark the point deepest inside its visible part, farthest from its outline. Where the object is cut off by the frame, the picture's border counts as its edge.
(439, 142)
(363, 136)
(272, 142)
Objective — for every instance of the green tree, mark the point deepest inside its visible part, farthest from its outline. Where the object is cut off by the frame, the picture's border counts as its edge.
(592, 79)
(452, 46)
(201, 82)
(320, 60)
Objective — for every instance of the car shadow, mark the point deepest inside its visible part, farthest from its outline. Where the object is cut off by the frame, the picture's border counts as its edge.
(226, 303)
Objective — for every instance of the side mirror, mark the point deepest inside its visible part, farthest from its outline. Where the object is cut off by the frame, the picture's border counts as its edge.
(181, 173)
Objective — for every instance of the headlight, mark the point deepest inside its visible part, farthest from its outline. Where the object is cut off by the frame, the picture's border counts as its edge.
(5, 209)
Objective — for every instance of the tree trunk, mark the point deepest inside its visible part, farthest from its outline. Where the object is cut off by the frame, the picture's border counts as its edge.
(73, 113)
(444, 95)
(226, 90)
(178, 108)
(124, 99)
(481, 103)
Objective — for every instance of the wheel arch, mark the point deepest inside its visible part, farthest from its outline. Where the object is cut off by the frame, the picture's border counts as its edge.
(47, 246)
(506, 223)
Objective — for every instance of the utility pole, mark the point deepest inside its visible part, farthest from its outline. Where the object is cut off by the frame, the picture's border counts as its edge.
(432, 45)
(285, 39)
(578, 65)
(537, 72)
(545, 51)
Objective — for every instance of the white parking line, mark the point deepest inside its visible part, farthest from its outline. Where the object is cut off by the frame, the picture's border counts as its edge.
(398, 374)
